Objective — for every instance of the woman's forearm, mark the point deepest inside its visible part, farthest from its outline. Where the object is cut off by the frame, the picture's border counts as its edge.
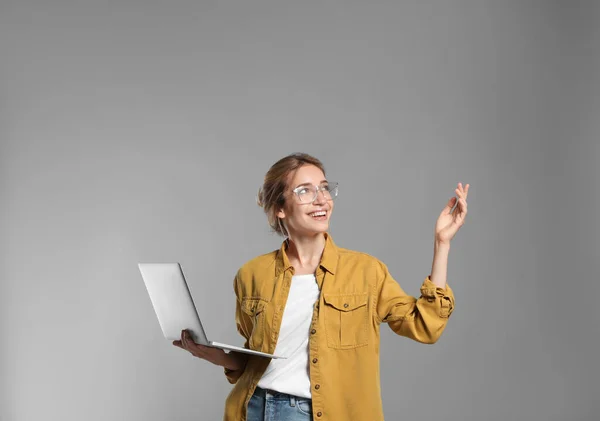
(439, 267)
(234, 361)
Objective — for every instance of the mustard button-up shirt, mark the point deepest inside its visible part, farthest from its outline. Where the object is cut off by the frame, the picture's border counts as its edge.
(357, 295)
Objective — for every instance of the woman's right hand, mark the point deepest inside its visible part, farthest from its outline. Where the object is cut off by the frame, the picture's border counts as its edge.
(214, 355)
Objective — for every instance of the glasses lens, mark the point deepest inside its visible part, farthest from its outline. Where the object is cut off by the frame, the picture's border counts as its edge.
(331, 191)
(306, 194)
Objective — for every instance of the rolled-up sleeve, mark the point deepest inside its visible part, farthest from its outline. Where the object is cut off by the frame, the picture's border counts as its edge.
(422, 319)
(244, 327)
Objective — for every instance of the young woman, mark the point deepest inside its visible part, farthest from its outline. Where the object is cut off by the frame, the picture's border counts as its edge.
(321, 306)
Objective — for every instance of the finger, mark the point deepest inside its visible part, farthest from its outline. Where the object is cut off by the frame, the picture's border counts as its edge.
(178, 344)
(463, 208)
(449, 205)
(456, 202)
(458, 208)
(189, 343)
(184, 340)
(188, 337)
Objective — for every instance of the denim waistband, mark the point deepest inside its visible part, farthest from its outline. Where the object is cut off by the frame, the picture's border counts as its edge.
(273, 394)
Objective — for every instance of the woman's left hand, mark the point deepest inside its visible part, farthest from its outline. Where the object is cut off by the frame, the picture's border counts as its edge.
(450, 220)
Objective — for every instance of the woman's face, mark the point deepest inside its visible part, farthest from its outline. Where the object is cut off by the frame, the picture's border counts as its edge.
(299, 218)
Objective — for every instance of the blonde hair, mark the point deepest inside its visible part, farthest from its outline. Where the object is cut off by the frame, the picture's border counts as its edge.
(271, 194)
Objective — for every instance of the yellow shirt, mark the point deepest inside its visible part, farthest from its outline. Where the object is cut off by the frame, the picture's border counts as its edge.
(357, 295)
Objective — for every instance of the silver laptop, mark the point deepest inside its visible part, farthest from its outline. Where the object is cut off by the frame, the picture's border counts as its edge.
(175, 307)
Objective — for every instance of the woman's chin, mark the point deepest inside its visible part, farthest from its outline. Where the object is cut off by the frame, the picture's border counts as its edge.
(320, 230)
(310, 232)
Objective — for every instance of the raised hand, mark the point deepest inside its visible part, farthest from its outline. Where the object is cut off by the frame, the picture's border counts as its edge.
(450, 220)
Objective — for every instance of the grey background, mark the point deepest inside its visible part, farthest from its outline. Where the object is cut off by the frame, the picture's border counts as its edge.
(141, 130)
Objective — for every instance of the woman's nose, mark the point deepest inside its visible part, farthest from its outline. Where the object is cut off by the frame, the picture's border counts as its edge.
(320, 197)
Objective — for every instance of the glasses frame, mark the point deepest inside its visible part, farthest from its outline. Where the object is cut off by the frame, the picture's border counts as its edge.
(317, 189)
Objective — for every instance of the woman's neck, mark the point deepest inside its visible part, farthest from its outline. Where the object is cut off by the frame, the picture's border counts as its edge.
(305, 252)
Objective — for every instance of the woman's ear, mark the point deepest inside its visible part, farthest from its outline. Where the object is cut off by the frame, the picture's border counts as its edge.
(281, 213)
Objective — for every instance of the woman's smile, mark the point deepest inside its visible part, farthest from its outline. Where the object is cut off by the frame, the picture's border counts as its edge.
(320, 215)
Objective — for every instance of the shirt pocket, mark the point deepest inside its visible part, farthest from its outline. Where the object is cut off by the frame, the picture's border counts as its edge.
(346, 320)
(255, 309)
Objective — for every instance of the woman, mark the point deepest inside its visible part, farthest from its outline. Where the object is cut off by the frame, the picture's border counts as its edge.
(321, 306)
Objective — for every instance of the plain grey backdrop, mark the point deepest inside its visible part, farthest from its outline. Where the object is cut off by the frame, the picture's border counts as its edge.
(141, 130)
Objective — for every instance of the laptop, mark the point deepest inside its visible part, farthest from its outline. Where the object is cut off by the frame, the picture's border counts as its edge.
(174, 306)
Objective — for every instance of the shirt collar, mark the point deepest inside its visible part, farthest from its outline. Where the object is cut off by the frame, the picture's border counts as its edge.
(329, 258)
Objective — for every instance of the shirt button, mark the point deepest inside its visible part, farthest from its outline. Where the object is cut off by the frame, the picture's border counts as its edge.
(345, 305)
(317, 386)
(313, 331)
(319, 414)
(315, 360)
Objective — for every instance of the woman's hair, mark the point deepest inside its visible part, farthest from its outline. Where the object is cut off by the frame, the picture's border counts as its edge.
(271, 194)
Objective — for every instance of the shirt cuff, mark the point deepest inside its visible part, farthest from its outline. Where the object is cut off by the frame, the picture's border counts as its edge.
(232, 375)
(442, 297)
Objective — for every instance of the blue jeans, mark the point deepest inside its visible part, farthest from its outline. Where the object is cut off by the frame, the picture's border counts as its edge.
(268, 405)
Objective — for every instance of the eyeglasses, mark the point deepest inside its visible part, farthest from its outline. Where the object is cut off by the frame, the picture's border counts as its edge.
(308, 194)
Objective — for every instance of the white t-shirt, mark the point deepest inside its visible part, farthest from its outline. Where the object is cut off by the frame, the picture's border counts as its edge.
(291, 375)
